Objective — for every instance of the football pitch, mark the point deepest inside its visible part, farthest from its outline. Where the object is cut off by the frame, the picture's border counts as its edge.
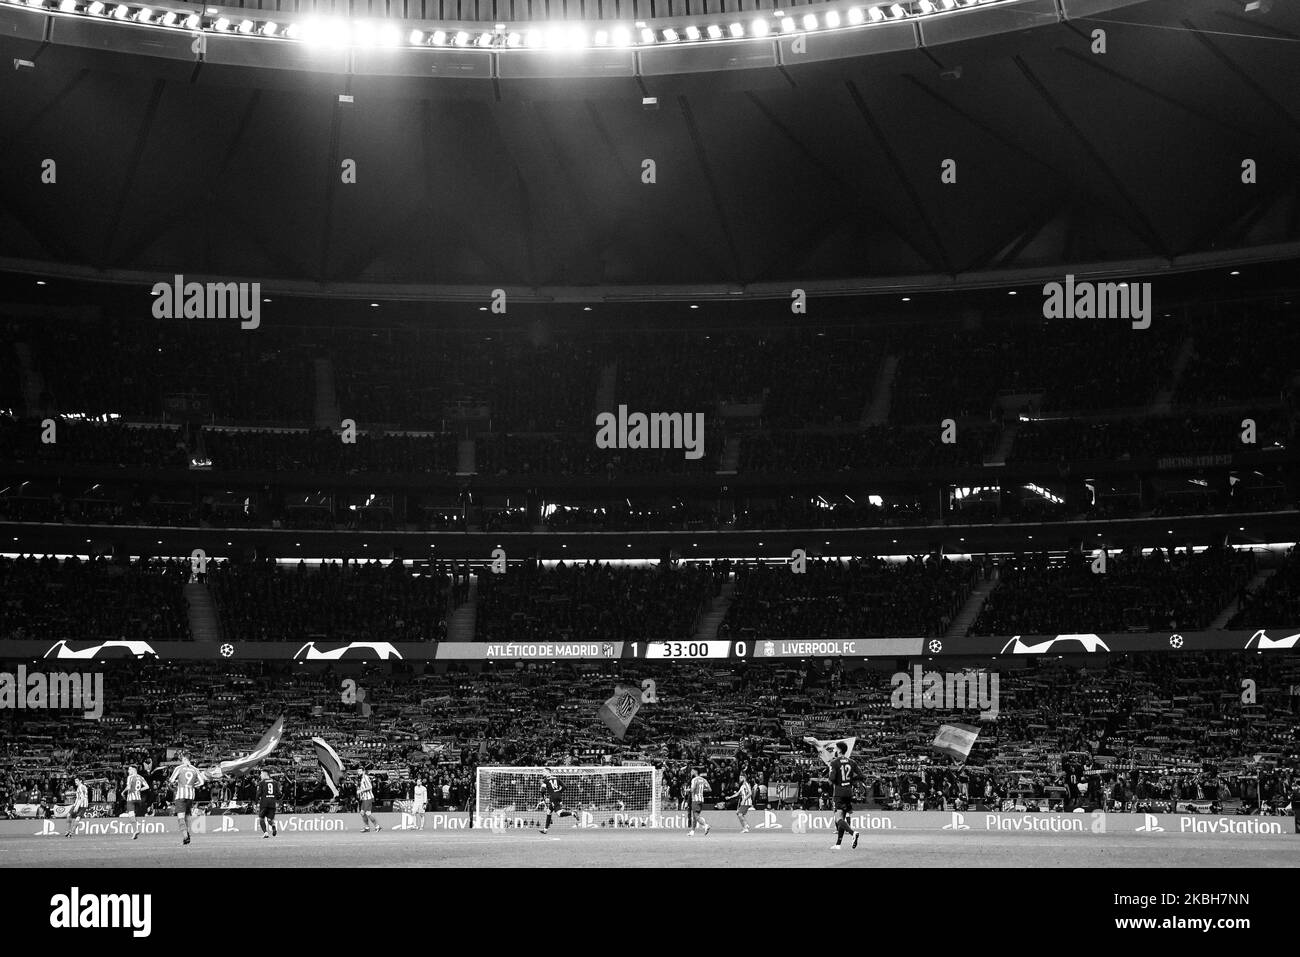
(572, 847)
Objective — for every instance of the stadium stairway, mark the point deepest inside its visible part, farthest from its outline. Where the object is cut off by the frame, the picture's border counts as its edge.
(607, 388)
(729, 463)
(31, 382)
(460, 627)
(466, 457)
(712, 619)
(971, 610)
(327, 403)
(1234, 606)
(1005, 443)
(204, 623)
(882, 396)
(1163, 402)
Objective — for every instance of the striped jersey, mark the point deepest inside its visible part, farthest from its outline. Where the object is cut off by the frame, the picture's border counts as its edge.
(699, 784)
(365, 790)
(134, 785)
(746, 794)
(186, 777)
(421, 794)
(83, 797)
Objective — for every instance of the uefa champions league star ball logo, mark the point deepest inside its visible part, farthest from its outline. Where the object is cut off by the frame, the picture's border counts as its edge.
(227, 650)
(1175, 641)
(936, 646)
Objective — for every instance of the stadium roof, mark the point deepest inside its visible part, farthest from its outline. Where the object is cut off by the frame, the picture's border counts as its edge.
(825, 176)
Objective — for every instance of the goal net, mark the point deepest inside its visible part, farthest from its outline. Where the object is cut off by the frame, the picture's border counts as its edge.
(597, 796)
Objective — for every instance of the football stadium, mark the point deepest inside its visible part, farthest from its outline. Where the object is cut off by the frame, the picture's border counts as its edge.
(649, 433)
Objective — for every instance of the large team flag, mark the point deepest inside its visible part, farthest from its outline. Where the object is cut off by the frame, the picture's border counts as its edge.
(619, 710)
(233, 769)
(331, 765)
(826, 750)
(956, 740)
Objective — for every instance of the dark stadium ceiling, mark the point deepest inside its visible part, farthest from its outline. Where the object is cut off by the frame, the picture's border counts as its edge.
(824, 176)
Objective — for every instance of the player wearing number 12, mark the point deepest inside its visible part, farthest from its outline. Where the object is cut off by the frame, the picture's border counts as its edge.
(842, 773)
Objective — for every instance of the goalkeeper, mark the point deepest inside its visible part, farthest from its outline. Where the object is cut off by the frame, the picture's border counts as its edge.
(551, 801)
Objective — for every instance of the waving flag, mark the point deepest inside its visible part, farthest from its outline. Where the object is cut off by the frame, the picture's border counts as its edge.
(233, 769)
(826, 750)
(619, 710)
(331, 764)
(956, 740)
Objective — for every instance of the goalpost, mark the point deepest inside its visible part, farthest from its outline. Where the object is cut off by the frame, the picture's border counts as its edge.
(628, 796)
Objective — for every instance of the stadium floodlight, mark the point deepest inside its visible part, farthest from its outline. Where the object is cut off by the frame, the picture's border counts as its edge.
(647, 35)
(416, 38)
(876, 14)
(621, 36)
(554, 39)
(168, 19)
(897, 11)
(484, 39)
(809, 21)
(246, 27)
(787, 25)
(221, 25)
(760, 28)
(363, 33)
(293, 31)
(736, 30)
(601, 38)
(439, 37)
(144, 15)
(855, 15)
(270, 28)
(832, 18)
(671, 35)
(121, 12)
(388, 35)
(500, 28)
(926, 6)
(535, 39)
(513, 40)
(193, 22)
(68, 6)
(692, 33)
(715, 32)
(575, 38)
(461, 38)
(948, 4)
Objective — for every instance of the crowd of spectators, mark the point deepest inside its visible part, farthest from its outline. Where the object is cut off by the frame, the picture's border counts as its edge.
(595, 602)
(878, 447)
(96, 600)
(1145, 732)
(1162, 591)
(835, 599)
(345, 601)
(1146, 437)
(1277, 602)
(322, 450)
(566, 454)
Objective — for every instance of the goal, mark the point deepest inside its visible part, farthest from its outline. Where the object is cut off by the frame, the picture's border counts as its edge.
(598, 796)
